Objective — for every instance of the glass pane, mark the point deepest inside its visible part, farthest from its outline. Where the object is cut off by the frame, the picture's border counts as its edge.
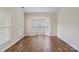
(4, 30)
(40, 25)
(21, 25)
(4, 22)
(4, 35)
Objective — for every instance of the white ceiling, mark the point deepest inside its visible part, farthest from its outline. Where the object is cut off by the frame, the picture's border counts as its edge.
(41, 9)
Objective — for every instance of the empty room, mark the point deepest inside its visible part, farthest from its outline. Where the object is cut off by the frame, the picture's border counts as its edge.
(39, 29)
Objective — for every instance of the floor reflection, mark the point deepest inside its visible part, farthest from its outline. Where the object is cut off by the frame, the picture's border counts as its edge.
(41, 43)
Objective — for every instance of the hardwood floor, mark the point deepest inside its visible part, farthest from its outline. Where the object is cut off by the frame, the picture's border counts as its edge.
(41, 44)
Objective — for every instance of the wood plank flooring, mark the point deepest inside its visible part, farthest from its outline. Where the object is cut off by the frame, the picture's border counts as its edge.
(41, 44)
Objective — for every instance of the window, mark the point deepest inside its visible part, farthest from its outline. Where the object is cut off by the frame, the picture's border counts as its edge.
(40, 26)
(21, 25)
(5, 25)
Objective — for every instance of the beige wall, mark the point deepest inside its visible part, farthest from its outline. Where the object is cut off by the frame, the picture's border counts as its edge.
(14, 14)
(53, 20)
(68, 26)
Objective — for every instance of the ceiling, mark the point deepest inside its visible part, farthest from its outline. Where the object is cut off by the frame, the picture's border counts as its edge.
(41, 9)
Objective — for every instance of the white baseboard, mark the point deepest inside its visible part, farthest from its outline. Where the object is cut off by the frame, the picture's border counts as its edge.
(68, 43)
(12, 43)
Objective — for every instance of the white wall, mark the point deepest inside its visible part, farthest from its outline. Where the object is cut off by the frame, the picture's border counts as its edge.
(53, 20)
(68, 26)
(14, 14)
